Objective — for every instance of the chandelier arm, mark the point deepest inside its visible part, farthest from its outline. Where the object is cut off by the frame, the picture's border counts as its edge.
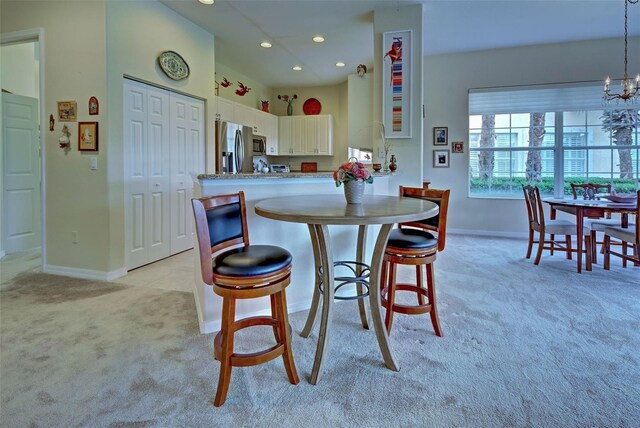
(629, 90)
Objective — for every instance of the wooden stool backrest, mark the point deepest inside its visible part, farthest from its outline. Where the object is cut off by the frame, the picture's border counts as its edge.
(589, 190)
(221, 222)
(535, 210)
(437, 223)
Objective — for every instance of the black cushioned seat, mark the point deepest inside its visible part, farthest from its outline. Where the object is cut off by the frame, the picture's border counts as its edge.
(252, 260)
(412, 239)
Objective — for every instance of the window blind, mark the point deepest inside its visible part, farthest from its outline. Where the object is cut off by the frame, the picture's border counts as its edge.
(547, 98)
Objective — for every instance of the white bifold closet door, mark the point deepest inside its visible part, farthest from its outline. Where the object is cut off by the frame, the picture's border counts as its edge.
(163, 145)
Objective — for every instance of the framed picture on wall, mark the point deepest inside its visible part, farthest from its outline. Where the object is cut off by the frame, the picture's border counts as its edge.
(440, 136)
(441, 158)
(88, 136)
(396, 83)
(67, 111)
(457, 146)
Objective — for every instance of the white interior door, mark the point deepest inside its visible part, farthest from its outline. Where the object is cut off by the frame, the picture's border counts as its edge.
(187, 156)
(147, 174)
(21, 173)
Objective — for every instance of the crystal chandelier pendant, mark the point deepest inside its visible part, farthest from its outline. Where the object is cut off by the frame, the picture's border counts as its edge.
(630, 87)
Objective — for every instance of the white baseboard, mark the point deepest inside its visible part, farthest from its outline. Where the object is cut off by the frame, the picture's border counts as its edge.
(495, 234)
(84, 273)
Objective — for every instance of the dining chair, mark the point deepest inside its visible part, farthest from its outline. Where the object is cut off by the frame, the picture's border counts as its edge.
(415, 244)
(537, 223)
(590, 191)
(629, 236)
(237, 270)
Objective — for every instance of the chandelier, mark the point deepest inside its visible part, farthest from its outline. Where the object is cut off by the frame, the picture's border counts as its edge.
(630, 88)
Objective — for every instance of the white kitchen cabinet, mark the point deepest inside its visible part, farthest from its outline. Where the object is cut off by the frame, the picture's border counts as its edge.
(244, 115)
(260, 123)
(305, 135)
(271, 126)
(324, 134)
(225, 110)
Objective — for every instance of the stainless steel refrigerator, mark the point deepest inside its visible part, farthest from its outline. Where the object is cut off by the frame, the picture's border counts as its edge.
(232, 145)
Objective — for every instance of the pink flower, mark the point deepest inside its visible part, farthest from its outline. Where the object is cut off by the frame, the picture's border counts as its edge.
(351, 171)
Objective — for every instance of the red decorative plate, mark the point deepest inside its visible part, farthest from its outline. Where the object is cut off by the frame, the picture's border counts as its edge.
(312, 106)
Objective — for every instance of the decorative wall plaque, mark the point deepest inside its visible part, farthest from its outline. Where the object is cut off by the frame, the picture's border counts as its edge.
(173, 65)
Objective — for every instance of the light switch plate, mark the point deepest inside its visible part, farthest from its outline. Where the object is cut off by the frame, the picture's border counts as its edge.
(94, 164)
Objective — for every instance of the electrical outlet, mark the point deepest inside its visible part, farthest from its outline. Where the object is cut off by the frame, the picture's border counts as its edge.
(74, 236)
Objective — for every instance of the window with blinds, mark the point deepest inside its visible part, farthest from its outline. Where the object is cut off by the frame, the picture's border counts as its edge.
(550, 136)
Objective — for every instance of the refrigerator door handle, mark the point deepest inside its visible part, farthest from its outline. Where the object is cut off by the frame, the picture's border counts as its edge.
(239, 151)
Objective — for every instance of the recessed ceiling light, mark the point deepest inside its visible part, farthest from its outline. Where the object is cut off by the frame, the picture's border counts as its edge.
(339, 64)
(206, 1)
(297, 68)
(265, 44)
(318, 39)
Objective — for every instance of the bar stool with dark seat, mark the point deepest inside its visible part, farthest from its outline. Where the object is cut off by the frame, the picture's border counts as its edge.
(237, 270)
(416, 244)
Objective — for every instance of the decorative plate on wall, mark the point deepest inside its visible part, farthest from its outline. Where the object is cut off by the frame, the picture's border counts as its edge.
(312, 106)
(173, 65)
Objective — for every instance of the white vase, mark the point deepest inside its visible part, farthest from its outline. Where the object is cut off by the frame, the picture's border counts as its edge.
(353, 191)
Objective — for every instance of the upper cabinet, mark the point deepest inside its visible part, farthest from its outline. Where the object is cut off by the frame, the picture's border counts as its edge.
(262, 123)
(305, 135)
(225, 110)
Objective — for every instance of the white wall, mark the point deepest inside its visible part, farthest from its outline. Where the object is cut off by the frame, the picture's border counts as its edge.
(76, 197)
(79, 37)
(359, 112)
(408, 151)
(447, 79)
(20, 69)
(258, 91)
(137, 32)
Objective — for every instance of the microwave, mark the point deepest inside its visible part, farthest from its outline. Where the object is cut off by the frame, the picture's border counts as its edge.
(280, 168)
(259, 146)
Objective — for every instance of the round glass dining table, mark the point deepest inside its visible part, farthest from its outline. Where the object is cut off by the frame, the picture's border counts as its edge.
(321, 211)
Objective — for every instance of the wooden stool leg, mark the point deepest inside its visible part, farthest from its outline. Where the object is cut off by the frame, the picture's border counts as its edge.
(624, 251)
(391, 296)
(594, 249)
(567, 240)
(283, 325)
(431, 290)
(274, 312)
(228, 317)
(419, 283)
(553, 239)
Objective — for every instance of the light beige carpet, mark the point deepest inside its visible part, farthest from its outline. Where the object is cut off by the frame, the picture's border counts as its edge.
(524, 346)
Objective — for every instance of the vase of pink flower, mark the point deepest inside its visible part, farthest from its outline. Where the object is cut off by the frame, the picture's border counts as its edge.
(354, 175)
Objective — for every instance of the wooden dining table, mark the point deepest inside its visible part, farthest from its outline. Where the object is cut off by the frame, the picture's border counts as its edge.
(582, 209)
(321, 211)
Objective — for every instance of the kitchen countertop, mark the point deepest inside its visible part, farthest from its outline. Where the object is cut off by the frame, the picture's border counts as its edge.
(294, 174)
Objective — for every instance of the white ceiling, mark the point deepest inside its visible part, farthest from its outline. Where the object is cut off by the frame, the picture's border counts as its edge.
(347, 25)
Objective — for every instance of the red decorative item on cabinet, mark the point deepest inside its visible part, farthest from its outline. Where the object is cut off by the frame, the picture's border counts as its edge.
(312, 106)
